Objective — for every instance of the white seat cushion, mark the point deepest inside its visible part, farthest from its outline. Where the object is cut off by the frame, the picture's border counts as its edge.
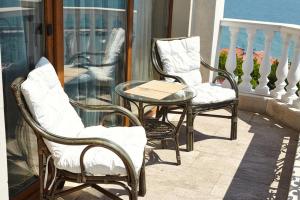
(104, 76)
(211, 93)
(50, 107)
(100, 161)
(181, 58)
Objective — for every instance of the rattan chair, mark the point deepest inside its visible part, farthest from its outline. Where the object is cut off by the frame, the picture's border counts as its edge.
(197, 108)
(52, 177)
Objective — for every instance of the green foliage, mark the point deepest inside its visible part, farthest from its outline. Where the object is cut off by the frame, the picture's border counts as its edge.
(272, 76)
(255, 73)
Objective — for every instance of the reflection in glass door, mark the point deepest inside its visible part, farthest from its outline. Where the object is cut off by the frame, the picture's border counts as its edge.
(94, 45)
(22, 42)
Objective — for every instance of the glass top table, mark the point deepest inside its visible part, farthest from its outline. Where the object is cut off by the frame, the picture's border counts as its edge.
(179, 97)
(159, 128)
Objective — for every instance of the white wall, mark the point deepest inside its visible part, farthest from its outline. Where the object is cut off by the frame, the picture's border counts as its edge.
(3, 161)
(201, 17)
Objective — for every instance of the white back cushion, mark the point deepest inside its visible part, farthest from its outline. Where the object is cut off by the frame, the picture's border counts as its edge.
(181, 58)
(114, 45)
(48, 103)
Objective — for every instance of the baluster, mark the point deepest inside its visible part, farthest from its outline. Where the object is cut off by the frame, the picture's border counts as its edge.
(246, 86)
(282, 69)
(231, 57)
(265, 67)
(293, 76)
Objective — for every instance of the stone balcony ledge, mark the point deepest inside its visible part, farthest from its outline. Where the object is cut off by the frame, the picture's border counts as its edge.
(278, 111)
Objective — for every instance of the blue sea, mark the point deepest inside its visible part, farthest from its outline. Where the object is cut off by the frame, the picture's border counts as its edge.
(280, 11)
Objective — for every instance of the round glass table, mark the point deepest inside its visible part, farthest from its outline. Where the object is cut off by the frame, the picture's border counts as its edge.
(159, 128)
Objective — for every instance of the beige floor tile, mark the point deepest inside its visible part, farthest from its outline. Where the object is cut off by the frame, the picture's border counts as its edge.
(255, 166)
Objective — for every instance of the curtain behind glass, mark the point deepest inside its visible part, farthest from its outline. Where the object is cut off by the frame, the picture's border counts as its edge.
(94, 36)
(150, 20)
(142, 40)
(22, 45)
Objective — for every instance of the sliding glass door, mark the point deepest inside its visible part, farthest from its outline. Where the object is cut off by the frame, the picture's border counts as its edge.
(22, 44)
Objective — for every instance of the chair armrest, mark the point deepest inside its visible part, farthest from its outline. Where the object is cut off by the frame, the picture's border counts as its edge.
(87, 65)
(78, 56)
(85, 55)
(224, 74)
(176, 78)
(109, 108)
(115, 148)
(88, 62)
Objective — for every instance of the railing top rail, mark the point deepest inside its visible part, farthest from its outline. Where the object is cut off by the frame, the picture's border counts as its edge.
(281, 27)
(87, 10)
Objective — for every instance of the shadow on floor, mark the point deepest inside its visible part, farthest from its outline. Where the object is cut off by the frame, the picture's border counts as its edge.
(152, 158)
(266, 168)
(93, 194)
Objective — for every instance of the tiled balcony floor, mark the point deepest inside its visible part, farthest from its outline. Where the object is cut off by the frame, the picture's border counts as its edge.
(257, 165)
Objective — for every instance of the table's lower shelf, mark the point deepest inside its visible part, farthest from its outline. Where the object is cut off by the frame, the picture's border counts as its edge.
(159, 130)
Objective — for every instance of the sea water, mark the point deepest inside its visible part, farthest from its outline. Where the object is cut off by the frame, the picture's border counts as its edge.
(278, 11)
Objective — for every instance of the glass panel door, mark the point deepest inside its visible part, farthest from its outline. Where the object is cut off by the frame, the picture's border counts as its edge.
(94, 45)
(21, 41)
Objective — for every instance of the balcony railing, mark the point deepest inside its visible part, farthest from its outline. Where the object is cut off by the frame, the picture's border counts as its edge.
(289, 70)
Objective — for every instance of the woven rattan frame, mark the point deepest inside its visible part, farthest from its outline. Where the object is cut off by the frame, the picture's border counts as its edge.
(198, 109)
(132, 182)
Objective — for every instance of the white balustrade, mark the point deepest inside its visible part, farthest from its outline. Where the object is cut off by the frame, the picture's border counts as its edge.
(284, 73)
(265, 67)
(293, 76)
(282, 69)
(231, 57)
(246, 86)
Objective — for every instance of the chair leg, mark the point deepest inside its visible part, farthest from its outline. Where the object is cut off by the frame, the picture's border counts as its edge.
(54, 188)
(177, 150)
(142, 181)
(189, 129)
(41, 170)
(61, 185)
(133, 194)
(233, 134)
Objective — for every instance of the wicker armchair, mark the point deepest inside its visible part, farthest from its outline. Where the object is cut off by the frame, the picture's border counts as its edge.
(199, 105)
(129, 176)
